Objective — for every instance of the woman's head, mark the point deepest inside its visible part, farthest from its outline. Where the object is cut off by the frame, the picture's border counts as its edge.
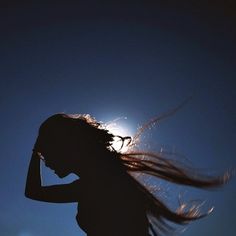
(65, 141)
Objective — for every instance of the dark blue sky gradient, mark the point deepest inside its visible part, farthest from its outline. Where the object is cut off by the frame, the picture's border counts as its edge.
(113, 59)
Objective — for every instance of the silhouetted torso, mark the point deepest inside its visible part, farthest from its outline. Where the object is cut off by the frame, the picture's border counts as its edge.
(109, 204)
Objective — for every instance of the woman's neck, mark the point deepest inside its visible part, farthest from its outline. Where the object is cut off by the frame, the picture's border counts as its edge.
(98, 164)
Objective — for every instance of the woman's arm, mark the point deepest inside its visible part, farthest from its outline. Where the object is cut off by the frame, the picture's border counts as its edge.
(33, 182)
(63, 193)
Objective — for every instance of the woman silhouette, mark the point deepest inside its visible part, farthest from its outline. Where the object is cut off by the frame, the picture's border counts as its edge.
(111, 201)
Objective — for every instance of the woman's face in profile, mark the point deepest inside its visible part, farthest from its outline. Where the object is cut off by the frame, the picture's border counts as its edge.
(57, 155)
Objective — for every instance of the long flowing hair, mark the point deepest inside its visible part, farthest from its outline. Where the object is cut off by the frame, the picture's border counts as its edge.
(161, 217)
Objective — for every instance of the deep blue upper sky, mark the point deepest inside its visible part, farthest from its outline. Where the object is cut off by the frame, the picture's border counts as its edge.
(113, 59)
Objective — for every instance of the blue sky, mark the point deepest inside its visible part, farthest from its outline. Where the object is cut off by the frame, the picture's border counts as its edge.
(115, 59)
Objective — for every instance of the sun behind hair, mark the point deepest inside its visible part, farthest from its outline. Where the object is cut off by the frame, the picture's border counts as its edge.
(108, 193)
(159, 166)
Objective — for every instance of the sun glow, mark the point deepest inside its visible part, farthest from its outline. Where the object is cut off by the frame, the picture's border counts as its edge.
(120, 131)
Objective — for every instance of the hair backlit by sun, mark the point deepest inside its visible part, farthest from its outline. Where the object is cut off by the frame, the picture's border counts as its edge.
(119, 130)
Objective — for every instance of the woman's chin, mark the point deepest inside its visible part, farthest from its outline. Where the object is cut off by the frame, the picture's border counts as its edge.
(61, 174)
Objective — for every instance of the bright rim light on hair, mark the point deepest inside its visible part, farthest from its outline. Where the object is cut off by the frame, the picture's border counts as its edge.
(119, 130)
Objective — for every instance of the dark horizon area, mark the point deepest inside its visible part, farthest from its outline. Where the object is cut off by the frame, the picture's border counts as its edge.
(110, 59)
